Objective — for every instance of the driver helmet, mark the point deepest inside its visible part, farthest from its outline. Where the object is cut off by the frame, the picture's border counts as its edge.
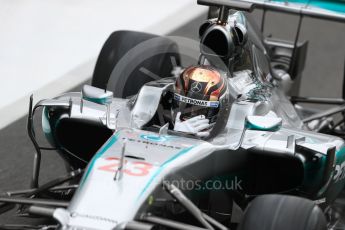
(198, 90)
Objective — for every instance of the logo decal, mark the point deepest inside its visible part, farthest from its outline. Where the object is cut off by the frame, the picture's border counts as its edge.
(196, 87)
(153, 138)
(188, 100)
(214, 104)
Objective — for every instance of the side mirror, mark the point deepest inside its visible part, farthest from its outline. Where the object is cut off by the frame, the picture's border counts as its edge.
(263, 123)
(260, 123)
(96, 95)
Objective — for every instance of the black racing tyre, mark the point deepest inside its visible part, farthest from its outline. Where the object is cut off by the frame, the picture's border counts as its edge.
(157, 59)
(279, 212)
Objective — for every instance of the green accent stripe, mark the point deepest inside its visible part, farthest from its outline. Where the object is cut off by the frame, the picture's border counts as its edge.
(259, 128)
(163, 166)
(340, 154)
(112, 140)
(337, 6)
(101, 101)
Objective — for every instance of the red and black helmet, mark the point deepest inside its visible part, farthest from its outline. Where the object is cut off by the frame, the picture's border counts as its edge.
(198, 91)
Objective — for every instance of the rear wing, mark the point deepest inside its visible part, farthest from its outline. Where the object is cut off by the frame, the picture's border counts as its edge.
(333, 10)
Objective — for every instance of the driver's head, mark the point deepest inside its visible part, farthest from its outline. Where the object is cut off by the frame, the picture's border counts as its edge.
(198, 91)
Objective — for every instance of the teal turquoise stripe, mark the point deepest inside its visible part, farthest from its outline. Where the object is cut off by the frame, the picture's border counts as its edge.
(340, 155)
(333, 5)
(163, 166)
(101, 101)
(256, 127)
(313, 172)
(105, 147)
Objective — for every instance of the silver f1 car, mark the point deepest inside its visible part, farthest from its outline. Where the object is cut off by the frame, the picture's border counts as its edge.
(268, 163)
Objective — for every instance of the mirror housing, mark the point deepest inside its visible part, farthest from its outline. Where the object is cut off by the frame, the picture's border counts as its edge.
(263, 123)
(260, 123)
(96, 95)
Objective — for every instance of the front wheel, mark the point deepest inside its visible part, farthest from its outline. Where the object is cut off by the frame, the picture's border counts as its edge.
(280, 212)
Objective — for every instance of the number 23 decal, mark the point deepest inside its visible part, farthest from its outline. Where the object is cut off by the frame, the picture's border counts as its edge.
(132, 168)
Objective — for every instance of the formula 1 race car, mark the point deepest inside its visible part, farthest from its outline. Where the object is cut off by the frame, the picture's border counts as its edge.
(267, 162)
